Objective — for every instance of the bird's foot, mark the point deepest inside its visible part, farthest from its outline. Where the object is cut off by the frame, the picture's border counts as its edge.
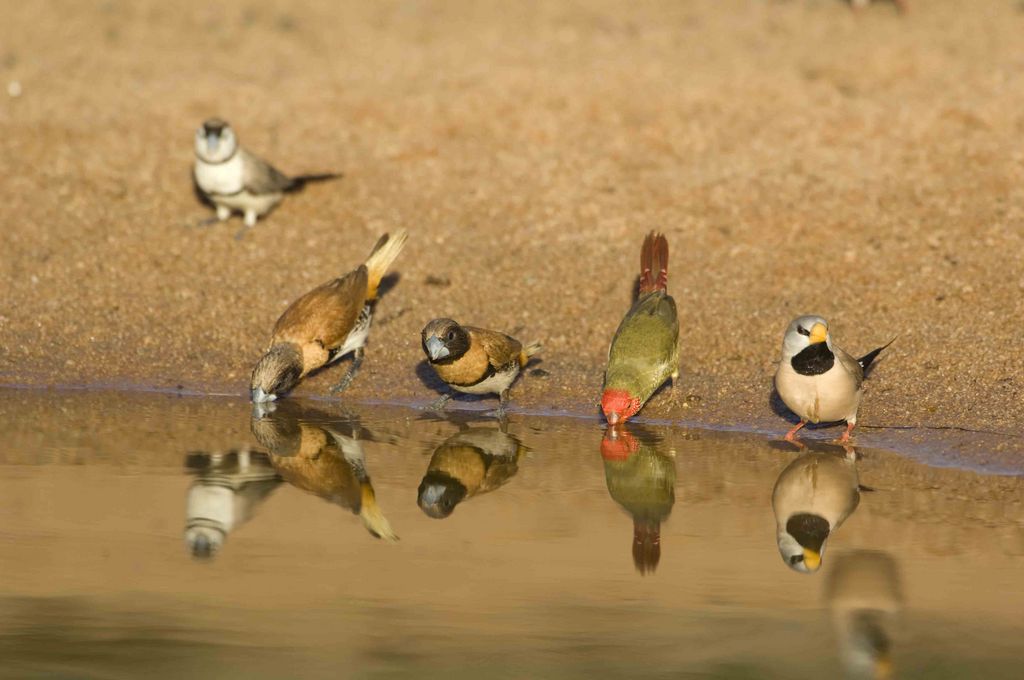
(241, 232)
(845, 438)
(439, 404)
(791, 435)
(342, 384)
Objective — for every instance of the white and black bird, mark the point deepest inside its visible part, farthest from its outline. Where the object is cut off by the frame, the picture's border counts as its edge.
(225, 493)
(864, 594)
(235, 180)
(812, 498)
(817, 380)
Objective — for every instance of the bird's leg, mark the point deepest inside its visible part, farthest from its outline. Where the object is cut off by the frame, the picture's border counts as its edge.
(439, 404)
(223, 212)
(248, 222)
(500, 412)
(353, 369)
(791, 435)
(846, 435)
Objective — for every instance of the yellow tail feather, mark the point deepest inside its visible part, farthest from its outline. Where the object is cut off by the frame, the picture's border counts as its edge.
(383, 254)
(373, 519)
(529, 351)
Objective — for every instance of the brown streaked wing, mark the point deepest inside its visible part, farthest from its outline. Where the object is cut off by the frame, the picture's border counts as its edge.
(325, 314)
(501, 349)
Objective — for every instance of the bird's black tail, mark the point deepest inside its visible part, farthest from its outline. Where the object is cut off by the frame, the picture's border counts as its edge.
(302, 180)
(866, 360)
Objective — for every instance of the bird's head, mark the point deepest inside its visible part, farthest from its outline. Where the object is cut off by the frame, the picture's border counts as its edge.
(204, 541)
(618, 445)
(619, 405)
(275, 373)
(439, 493)
(803, 542)
(444, 341)
(215, 141)
(803, 332)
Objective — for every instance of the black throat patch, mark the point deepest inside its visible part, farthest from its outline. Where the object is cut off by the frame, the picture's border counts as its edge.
(814, 359)
(809, 530)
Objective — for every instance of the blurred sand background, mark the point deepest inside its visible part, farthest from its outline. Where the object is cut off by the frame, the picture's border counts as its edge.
(800, 156)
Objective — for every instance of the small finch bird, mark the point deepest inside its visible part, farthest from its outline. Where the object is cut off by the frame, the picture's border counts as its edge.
(642, 480)
(233, 179)
(812, 498)
(472, 462)
(474, 360)
(324, 325)
(817, 380)
(227, 490)
(322, 455)
(645, 350)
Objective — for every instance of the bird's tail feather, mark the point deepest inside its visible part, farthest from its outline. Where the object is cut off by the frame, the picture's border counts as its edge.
(300, 181)
(654, 263)
(529, 351)
(866, 360)
(373, 519)
(384, 253)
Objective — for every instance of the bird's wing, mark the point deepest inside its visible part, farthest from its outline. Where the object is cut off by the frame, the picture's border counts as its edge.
(850, 365)
(325, 314)
(501, 349)
(260, 177)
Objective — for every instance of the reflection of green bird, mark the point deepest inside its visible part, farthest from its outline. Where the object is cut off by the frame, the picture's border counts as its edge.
(642, 480)
(469, 463)
(645, 350)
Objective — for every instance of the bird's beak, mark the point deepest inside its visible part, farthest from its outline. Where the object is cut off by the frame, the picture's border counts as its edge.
(818, 333)
(212, 142)
(812, 559)
(259, 396)
(612, 417)
(436, 348)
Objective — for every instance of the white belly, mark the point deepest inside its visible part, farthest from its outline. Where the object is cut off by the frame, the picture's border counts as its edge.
(220, 178)
(244, 201)
(496, 384)
(358, 335)
(824, 398)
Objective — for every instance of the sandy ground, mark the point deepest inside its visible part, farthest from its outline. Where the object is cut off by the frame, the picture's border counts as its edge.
(801, 158)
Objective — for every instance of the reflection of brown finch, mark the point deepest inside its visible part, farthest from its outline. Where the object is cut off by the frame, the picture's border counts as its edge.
(645, 350)
(324, 325)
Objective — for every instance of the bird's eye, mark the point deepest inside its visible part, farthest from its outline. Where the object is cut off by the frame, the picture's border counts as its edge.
(796, 558)
(451, 335)
(803, 331)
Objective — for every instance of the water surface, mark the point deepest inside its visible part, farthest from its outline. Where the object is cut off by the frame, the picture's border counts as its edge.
(161, 536)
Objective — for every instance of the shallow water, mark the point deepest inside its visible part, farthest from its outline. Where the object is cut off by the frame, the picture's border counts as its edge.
(185, 537)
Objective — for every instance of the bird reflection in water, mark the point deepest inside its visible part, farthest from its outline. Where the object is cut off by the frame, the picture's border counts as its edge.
(812, 498)
(323, 455)
(227, 489)
(864, 596)
(472, 462)
(642, 479)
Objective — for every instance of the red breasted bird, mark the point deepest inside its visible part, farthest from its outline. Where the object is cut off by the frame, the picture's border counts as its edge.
(324, 325)
(474, 360)
(645, 350)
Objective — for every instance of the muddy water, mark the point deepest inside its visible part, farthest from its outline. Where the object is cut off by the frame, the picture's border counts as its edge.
(166, 537)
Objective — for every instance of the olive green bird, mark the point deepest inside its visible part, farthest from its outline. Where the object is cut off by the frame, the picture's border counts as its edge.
(642, 480)
(645, 350)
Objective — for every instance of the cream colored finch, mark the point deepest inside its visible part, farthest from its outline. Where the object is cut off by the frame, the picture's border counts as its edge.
(817, 380)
